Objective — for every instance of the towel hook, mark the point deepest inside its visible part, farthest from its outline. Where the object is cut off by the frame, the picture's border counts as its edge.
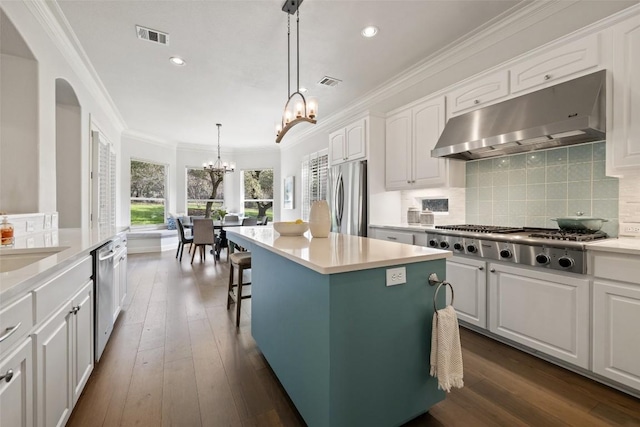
(433, 280)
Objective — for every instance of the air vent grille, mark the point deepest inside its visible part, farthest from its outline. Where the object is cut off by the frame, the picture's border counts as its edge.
(153, 36)
(329, 81)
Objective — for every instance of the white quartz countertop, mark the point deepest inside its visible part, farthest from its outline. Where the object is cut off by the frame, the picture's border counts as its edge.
(338, 253)
(621, 245)
(405, 226)
(71, 244)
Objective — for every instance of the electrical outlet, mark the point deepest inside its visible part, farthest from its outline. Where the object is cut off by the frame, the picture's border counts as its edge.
(396, 276)
(630, 229)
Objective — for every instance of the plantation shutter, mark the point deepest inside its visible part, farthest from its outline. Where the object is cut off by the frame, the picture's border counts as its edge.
(103, 175)
(315, 175)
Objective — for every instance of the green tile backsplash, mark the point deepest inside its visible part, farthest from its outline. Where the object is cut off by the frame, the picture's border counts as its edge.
(530, 189)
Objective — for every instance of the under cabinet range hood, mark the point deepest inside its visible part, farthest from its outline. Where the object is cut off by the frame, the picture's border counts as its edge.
(568, 113)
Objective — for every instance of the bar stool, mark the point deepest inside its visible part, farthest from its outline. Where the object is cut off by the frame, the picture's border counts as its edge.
(241, 261)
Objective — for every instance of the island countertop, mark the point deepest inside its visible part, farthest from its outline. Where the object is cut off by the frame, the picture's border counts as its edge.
(338, 253)
(66, 245)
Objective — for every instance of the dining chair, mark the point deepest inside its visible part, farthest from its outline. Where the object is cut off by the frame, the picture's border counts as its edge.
(203, 235)
(231, 218)
(263, 220)
(248, 222)
(182, 239)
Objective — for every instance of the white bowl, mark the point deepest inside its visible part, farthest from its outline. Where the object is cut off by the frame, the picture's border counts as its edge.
(290, 229)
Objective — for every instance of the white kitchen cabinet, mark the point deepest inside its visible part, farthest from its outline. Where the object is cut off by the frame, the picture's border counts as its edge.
(469, 280)
(16, 386)
(411, 134)
(478, 93)
(544, 311)
(393, 235)
(349, 143)
(557, 65)
(623, 138)
(616, 314)
(82, 339)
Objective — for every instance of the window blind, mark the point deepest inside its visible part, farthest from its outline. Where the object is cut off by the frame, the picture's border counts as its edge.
(315, 175)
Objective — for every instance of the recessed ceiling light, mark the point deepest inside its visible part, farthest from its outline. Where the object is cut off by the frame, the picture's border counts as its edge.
(303, 89)
(177, 61)
(370, 31)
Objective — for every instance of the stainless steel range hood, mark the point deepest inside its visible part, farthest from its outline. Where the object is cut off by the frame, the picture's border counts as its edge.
(568, 113)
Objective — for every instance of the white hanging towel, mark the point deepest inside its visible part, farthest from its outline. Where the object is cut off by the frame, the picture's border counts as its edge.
(446, 353)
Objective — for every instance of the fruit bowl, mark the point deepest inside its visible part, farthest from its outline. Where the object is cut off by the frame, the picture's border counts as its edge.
(291, 228)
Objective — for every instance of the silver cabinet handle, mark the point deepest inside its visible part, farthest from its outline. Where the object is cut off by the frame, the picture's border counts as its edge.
(547, 76)
(477, 101)
(7, 377)
(392, 238)
(493, 270)
(480, 268)
(10, 331)
(75, 310)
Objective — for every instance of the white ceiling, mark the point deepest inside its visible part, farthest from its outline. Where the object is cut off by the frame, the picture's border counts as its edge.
(236, 57)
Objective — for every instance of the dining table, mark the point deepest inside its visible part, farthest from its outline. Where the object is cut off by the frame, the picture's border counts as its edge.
(221, 225)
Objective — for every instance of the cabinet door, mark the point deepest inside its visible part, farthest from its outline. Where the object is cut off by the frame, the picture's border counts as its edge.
(398, 151)
(479, 92)
(16, 395)
(625, 138)
(559, 64)
(616, 336)
(337, 152)
(82, 344)
(53, 372)
(428, 122)
(356, 140)
(123, 279)
(469, 281)
(116, 287)
(547, 312)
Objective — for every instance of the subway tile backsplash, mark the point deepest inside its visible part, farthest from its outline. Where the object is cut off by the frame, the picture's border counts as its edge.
(531, 189)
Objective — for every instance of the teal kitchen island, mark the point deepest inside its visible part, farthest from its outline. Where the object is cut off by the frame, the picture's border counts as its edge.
(348, 349)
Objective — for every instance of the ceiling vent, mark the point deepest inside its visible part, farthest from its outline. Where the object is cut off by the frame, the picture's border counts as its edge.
(153, 36)
(329, 81)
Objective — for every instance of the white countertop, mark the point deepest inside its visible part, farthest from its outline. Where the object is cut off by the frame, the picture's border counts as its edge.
(405, 226)
(338, 253)
(621, 245)
(76, 243)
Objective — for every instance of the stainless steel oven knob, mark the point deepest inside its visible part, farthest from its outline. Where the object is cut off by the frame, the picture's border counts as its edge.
(566, 262)
(505, 253)
(458, 246)
(542, 259)
(472, 249)
(433, 243)
(444, 245)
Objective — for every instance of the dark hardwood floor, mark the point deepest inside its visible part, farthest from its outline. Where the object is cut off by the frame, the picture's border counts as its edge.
(176, 359)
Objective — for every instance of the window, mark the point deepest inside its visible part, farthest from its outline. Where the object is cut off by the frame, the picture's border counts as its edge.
(258, 193)
(103, 184)
(314, 180)
(205, 192)
(148, 186)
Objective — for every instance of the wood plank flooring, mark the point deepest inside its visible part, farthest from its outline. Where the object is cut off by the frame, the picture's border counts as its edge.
(176, 359)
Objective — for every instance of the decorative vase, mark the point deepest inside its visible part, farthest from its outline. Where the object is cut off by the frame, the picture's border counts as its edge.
(320, 219)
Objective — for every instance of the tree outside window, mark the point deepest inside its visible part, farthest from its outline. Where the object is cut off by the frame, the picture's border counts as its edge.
(258, 193)
(205, 192)
(148, 183)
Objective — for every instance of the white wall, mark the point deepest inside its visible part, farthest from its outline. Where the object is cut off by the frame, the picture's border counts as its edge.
(68, 166)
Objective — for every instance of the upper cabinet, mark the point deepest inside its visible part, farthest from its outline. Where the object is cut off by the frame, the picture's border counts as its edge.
(478, 93)
(411, 134)
(348, 143)
(551, 67)
(623, 133)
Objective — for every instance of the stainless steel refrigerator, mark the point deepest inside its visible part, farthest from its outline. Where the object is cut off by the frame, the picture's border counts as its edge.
(348, 198)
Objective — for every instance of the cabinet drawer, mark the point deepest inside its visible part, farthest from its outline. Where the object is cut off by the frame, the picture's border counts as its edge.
(550, 67)
(61, 288)
(395, 236)
(479, 93)
(621, 267)
(18, 313)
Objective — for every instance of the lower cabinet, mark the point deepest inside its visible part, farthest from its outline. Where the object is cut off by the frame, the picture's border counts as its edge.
(392, 235)
(616, 333)
(64, 355)
(468, 277)
(16, 386)
(544, 311)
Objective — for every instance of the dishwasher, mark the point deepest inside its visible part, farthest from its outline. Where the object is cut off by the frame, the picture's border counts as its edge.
(104, 288)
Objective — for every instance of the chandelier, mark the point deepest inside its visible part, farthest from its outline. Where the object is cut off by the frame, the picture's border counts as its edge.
(219, 166)
(303, 112)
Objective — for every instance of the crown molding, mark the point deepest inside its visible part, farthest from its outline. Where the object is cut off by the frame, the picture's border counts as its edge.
(512, 21)
(150, 139)
(53, 21)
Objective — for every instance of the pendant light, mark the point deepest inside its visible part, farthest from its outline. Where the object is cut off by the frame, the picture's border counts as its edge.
(219, 166)
(301, 111)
